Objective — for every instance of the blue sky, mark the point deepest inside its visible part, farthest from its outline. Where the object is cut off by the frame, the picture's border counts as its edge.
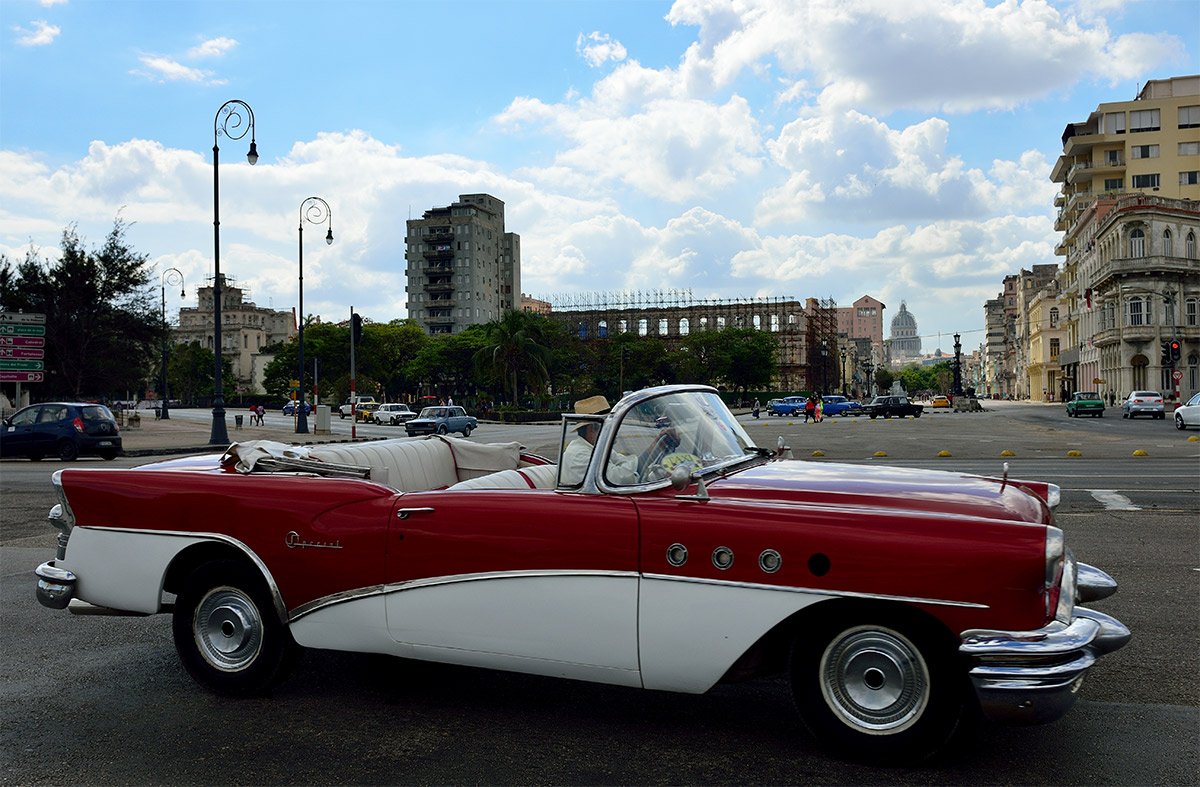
(734, 148)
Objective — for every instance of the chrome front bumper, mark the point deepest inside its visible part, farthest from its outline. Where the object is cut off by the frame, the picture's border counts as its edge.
(1032, 677)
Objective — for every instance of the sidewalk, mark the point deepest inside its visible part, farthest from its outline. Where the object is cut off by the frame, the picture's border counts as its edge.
(185, 436)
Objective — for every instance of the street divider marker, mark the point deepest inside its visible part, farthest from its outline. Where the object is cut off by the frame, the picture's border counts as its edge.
(943, 453)
(1140, 452)
(818, 453)
(1194, 439)
(1007, 452)
(1074, 453)
(879, 454)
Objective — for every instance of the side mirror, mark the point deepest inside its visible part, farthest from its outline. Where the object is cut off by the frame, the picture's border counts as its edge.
(681, 476)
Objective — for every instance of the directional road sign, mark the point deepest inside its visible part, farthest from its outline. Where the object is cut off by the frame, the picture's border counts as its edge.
(22, 377)
(22, 318)
(22, 341)
(30, 366)
(8, 329)
(22, 352)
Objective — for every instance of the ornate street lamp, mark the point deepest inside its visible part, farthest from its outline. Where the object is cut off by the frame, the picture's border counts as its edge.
(843, 354)
(231, 122)
(824, 367)
(170, 276)
(316, 211)
(869, 367)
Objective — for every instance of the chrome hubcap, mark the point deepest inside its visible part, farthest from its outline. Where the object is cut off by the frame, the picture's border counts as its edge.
(228, 629)
(874, 680)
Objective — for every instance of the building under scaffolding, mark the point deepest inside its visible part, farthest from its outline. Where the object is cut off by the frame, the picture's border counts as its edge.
(672, 315)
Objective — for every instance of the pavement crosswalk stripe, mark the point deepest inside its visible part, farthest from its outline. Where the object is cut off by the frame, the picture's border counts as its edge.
(1113, 500)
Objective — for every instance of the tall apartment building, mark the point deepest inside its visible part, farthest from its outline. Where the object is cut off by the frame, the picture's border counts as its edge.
(245, 329)
(1128, 212)
(862, 320)
(462, 268)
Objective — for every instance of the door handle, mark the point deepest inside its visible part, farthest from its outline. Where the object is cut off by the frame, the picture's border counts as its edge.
(405, 513)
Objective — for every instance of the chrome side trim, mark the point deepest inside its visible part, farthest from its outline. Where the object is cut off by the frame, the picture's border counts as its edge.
(1092, 584)
(452, 579)
(277, 597)
(816, 591)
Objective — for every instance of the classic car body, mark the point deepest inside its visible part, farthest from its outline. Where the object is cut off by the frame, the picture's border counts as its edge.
(441, 419)
(895, 599)
(1085, 403)
(840, 405)
(393, 413)
(788, 405)
(888, 406)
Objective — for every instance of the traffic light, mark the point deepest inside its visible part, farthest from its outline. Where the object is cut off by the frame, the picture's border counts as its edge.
(356, 329)
(1166, 354)
(1176, 350)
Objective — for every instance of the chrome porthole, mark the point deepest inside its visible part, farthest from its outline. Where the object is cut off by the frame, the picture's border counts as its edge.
(769, 561)
(722, 558)
(677, 555)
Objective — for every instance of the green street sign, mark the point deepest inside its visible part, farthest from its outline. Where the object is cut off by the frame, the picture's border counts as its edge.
(30, 366)
(22, 330)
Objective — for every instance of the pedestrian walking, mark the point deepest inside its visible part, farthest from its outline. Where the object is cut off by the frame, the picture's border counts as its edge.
(820, 408)
(755, 409)
(810, 408)
(261, 412)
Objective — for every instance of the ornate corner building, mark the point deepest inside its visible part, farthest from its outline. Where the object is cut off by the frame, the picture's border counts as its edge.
(1129, 211)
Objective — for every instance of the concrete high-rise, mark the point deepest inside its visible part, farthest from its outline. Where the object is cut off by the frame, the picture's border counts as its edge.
(462, 267)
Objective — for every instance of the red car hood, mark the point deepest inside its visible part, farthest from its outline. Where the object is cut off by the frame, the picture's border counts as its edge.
(898, 489)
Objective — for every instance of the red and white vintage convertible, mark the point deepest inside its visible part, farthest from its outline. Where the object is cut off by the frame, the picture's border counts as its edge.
(665, 551)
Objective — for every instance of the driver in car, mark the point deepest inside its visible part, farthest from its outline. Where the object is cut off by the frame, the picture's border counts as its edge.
(622, 469)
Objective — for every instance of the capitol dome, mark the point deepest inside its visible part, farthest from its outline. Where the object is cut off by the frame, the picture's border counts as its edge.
(906, 341)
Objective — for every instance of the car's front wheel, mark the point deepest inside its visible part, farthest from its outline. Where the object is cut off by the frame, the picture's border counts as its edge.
(879, 687)
(466, 431)
(442, 429)
(227, 631)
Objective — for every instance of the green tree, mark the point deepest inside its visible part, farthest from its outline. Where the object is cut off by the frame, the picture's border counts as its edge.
(103, 322)
(883, 379)
(517, 352)
(751, 356)
(190, 373)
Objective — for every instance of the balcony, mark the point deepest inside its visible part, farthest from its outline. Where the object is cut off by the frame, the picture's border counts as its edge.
(1146, 266)
(441, 285)
(439, 251)
(1081, 143)
(1080, 173)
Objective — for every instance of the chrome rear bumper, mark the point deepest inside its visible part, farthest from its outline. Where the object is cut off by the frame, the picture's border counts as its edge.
(1032, 677)
(55, 586)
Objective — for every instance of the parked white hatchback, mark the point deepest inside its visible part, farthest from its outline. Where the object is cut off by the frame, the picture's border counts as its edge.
(1188, 415)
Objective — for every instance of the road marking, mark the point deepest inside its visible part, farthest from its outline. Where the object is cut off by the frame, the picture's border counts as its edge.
(1113, 501)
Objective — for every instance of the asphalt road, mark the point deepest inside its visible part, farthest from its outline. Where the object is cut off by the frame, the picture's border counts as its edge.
(105, 701)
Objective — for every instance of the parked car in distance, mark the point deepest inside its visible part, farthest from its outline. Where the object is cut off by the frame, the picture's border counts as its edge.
(441, 420)
(344, 410)
(938, 402)
(892, 604)
(364, 412)
(788, 405)
(67, 430)
(393, 413)
(289, 408)
(1187, 416)
(839, 405)
(887, 406)
(771, 405)
(1143, 403)
(1085, 403)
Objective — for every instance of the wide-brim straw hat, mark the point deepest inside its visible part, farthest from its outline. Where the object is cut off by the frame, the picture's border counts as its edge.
(593, 405)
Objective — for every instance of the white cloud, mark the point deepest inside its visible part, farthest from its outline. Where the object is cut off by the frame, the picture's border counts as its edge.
(598, 48)
(214, 47)
(164, 69)
(43, 33)
(49, 3)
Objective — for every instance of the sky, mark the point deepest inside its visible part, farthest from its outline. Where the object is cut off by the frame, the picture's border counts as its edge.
(717, 148)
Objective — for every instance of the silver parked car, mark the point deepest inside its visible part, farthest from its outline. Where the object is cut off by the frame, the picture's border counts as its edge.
(1143, 403)
(393, 413)
(1188, 415)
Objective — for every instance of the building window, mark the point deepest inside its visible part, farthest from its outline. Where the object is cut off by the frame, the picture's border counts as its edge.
(602, 329)
(1054, 319)
(1144, 120)
(1191, 246)
(1054, 345)
(685, 326)
(1114, 184)
(662, 326)
(1145, 181)
(1144, 151)
(721, 323)
(1189, 178)
(1193, 372)
(642, 327)
(1112, 157)
(1114, 123)
(1191, 311)
(1134, 316)
(775, 322)
(1167, 243)
(622, 326)
(1189, 117)
(1137, 243)
(1189, 148)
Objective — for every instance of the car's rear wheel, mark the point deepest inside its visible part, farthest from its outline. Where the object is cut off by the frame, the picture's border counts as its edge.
(917, 414)
(879, 686)
(68, 451)
(108, 454)
(227, 632)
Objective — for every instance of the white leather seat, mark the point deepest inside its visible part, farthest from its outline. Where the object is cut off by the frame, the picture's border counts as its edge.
(533, 477)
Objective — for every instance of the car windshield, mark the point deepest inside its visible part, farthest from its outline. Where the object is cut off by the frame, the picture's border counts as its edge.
(660, 433)
(433, 412)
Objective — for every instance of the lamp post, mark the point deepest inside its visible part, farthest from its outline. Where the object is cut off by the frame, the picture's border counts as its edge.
(824, 367)
(843, 354)
(958, 389)
(869, 367)
(231, 122)
(173, 276)
(316, 211)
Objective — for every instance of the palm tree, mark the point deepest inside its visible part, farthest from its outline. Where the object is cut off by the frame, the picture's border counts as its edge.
(516, 343)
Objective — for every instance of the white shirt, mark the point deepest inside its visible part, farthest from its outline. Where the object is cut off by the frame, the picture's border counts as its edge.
(622, 470)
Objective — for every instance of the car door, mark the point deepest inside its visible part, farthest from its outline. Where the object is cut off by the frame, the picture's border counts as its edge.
(20, 437)
(529, 580)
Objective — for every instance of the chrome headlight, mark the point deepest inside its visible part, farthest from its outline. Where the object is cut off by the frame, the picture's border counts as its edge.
(1053, 495)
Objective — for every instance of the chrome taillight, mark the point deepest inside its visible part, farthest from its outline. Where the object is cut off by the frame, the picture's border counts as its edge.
(61, 517)
(1055, 552)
